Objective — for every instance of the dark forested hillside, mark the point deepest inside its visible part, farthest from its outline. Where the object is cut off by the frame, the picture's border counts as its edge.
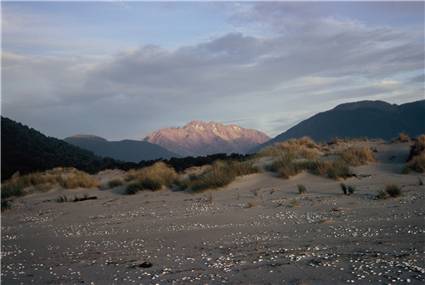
(372, 119)
(25, 150)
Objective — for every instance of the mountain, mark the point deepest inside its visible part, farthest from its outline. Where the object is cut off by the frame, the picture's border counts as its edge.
(125, 150)
(202, 138)
(26, 150)
(372, 119)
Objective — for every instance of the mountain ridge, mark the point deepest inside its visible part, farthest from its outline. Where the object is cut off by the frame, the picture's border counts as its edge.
(124, 150)
(203, 138)
(372, 119)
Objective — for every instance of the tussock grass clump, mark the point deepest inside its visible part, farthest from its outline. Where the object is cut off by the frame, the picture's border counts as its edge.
(220, 174)
(331, 169)
(391, 190)
(344, 188)
(41, 181)
(133, 188)
(301, 189)
(156, 174)
(416, 161)
(287, 167)
(351, 189)
(356, 156)
(5, 204)
(347, 190)
(75, 179)
(115, 183)
(295, 148)
(403, 137)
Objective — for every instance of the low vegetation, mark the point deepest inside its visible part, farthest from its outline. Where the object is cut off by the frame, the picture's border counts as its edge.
(64, 198)
(416, 161)
(303, 148)
(301, 189)
(158, 173)
(115, 183)
(347, 189)
(356, 156)
(391, 190)
(68, 178)
(403, 137)
(218, 175)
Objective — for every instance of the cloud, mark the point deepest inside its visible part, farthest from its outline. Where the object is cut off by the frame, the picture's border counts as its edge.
(309, 62)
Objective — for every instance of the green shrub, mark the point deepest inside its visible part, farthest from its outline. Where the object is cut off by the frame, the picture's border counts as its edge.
(133, 188)
(301, 189)
(393, 190)
(115, 183)
(150, 184)
(219, 174)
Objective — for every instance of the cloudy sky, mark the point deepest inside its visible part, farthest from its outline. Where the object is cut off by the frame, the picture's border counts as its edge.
(123, 69)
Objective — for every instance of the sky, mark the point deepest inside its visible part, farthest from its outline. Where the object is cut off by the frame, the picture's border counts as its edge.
(124, 69)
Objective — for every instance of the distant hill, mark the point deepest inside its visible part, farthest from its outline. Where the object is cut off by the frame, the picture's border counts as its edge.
(26, 150)
(125, 150)
(203, 138)
(372, 119)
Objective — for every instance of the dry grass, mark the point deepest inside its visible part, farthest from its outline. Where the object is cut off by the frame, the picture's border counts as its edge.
(218, 175)
(356, 156)
(416, 161)
(68, 178)
(403, 137)
(303, 148)
(153, 177)
(391, 190)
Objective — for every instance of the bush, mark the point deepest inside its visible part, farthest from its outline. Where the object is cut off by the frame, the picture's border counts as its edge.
(393, 190)
(285, 166)
(417, 163)
(331, 169)
(301, 189)
(115, 183)
(5, 204)
(344, 188)
(150, 184)
(303, 148)
(351, 190)
(381, 195)
(159, 172)
(11, 189)
(356, 156)
(218, 175)
(403, 137)
(133, 188)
